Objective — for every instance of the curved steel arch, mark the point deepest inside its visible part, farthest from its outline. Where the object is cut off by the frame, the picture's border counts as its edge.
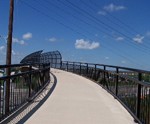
(32, 58)
(53, 57)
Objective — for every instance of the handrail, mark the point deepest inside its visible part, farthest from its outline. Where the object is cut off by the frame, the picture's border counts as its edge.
(13, 65)
(144, 83)
(23, 86)
(111, 66)
(21, 74)
(132, 91)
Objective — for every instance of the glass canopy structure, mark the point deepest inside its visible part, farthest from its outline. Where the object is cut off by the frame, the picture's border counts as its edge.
(53, 57)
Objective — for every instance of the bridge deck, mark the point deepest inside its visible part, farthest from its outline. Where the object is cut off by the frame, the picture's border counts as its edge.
(77, 100)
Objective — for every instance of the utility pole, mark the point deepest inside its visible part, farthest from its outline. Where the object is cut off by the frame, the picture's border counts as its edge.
(8, 55)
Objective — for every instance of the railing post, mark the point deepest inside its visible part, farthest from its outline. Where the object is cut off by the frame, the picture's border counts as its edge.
(87, 69)
(104, 74)
(67, 65)
(95, 72)
(116, 86)
(61, 65)
(138, 102)
(80, 68)
(73, 67)
(30, 80)
(44, 73)
(55, 65)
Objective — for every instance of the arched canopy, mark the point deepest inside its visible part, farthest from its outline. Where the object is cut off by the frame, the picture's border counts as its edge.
(53, 57)
(32, 58)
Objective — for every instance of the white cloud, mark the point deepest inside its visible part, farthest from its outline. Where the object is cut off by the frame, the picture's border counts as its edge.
(123, 62)
(2, 48)
(120, 38)
(111, 7)
(13, 52)
(27, 36)
(16, 40)
(53, 39)
(3, 38)
(138, 39)
(106, 57)
(22, 42)
(83, 44)
(101, 12)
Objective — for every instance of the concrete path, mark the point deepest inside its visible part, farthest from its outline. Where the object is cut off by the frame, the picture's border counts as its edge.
(77, 100)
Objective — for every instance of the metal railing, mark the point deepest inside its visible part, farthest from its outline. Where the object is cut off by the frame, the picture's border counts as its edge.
(25, 82)
(130, 86)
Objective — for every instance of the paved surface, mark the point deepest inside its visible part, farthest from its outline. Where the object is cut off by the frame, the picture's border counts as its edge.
(76, 100)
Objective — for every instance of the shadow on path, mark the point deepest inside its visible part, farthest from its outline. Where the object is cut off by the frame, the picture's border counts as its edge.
(41, 101)
(28, 110)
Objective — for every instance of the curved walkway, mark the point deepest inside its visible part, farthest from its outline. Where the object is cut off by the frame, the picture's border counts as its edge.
(77, 100)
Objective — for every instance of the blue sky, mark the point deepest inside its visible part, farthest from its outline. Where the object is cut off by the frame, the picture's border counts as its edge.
(114, 32)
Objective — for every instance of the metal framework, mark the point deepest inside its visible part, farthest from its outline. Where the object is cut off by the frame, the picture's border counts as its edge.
(131, 87)
(32, 58)
(53, 57)
(24, 87)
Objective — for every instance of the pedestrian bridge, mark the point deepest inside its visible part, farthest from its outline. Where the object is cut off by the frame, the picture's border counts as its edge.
(74, 100)
(45, 89)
